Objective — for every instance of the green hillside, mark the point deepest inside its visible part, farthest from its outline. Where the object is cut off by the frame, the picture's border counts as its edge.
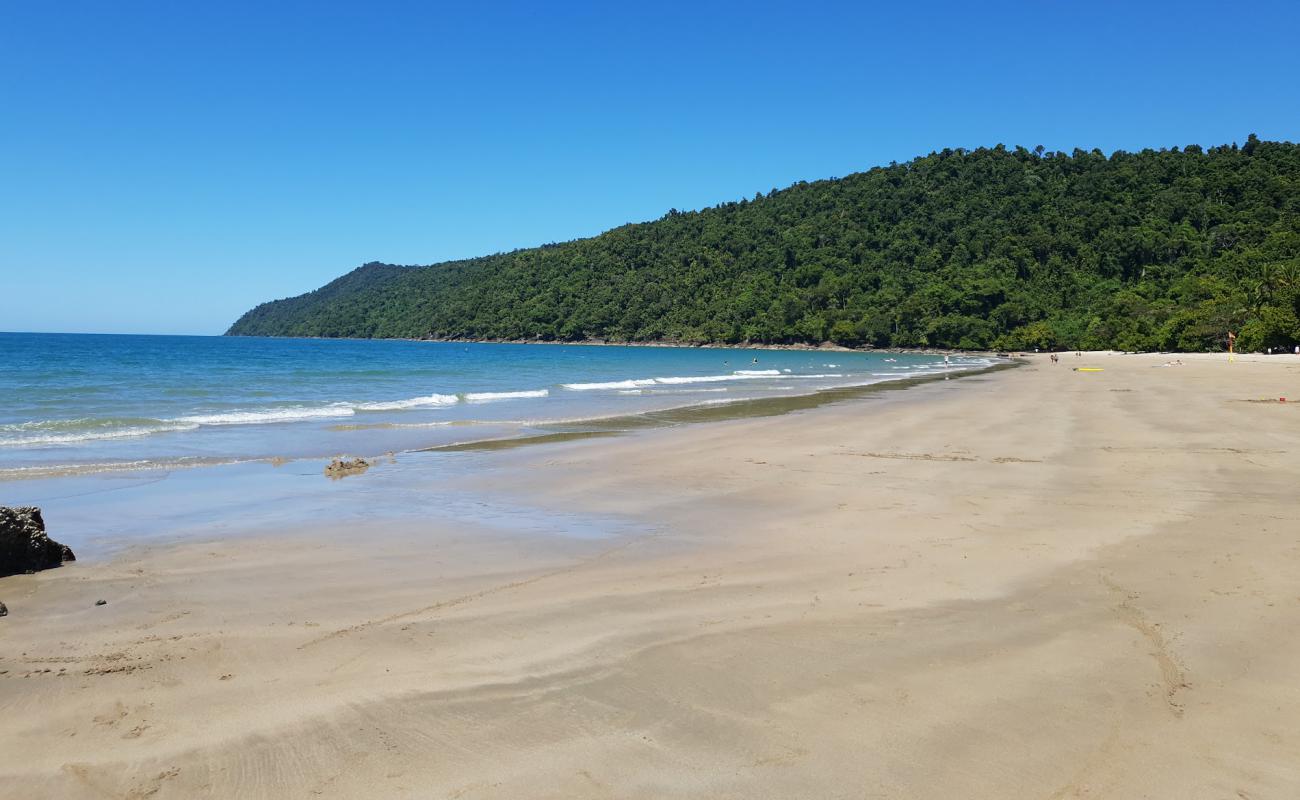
(990, 248)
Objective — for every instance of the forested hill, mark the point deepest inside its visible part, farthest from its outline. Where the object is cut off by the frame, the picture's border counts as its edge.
(990, 248)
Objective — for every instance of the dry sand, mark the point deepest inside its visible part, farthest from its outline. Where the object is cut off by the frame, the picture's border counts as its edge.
(1038, 583)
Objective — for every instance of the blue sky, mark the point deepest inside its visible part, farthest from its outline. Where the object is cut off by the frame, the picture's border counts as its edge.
(165, 166)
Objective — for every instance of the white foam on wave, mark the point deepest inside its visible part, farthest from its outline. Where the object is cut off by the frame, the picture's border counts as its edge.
(911, 375)
(680, 379)
(428, 401)
(482, 397)
(55, 432)
(375, 426)
(674, 380)
(270, 415)
(628, 384)
(695, 379)
(94, 435)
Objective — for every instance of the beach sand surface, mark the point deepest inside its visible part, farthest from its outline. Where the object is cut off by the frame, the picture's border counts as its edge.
(1034, 583)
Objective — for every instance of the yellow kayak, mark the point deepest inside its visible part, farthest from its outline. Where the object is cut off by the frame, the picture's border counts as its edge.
(1089, 369)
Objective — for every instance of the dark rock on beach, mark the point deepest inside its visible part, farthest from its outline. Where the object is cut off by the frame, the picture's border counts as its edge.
(24, 546)
(4, 610)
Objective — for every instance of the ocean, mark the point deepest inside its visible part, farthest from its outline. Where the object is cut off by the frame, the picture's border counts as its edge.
(126, 440)
(77, 403)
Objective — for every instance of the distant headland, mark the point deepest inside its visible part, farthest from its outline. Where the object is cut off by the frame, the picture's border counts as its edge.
(993, 248)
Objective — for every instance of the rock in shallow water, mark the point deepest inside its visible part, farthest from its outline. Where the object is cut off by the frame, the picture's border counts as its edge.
(24, 546)
(343, 467)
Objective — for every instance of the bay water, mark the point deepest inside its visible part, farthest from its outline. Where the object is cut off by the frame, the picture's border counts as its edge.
(74, 403)
(125, 440)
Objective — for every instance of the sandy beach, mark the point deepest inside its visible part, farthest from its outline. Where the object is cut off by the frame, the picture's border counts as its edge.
(1035, 583)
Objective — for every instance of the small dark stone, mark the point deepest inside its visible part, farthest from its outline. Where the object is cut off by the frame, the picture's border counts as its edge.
(4, 610)
(101, 602)
(24, 546)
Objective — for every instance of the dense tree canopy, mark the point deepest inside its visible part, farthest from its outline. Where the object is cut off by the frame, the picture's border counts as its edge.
(991, 248)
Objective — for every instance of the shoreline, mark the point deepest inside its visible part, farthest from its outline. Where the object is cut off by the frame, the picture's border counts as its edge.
(1039, 582)
(798, 347)
(793, 347)
(599, 425)
(705, 412)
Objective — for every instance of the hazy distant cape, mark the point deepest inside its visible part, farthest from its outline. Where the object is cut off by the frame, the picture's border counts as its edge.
(990, 248)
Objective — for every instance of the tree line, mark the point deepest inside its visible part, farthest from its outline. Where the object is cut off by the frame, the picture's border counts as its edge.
(993, 248)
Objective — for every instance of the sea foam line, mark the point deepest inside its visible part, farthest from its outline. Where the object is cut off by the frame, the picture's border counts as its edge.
(261, 416)
(73, 431)
(428, 401)
(628, 384)
(91, 435)
(673, 380)
(479, 397)
(735, 376)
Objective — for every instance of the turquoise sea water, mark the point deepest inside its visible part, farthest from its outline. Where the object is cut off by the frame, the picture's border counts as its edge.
(131, 439)
(72, 403)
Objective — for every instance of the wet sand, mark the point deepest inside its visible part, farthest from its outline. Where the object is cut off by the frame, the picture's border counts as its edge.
(1036, 583)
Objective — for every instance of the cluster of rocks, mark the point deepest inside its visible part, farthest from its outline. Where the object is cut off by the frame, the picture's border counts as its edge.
(343, 467)
(24, 545)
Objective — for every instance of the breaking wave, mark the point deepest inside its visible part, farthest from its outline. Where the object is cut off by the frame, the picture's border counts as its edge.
(480, 397)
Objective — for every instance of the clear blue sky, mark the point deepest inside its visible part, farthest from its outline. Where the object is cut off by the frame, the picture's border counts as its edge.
(164, 166)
